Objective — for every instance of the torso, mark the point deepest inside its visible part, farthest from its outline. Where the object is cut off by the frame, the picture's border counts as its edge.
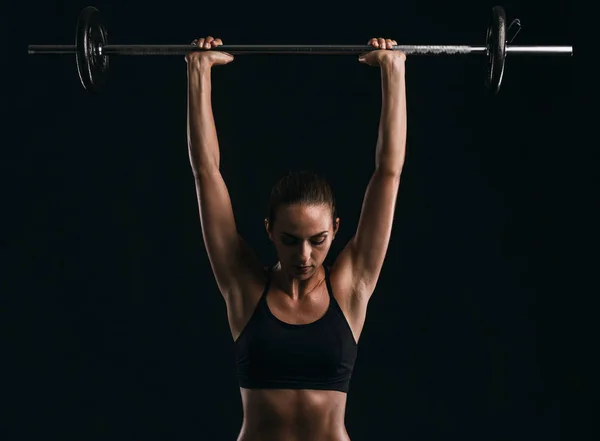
(293, 415)
(296, 415)
(313, 307)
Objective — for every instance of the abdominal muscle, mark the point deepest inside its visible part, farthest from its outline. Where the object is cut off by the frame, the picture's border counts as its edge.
(293, 415)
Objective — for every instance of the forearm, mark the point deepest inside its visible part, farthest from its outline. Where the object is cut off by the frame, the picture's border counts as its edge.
(391, 142)
(203, 144)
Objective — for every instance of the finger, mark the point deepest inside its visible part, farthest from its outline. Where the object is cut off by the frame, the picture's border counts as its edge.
(389, 43)
(195, 42)
(382, 43)
(207, 42)
(374, 42)
(200, 42)
(394, 42)
(218, 42)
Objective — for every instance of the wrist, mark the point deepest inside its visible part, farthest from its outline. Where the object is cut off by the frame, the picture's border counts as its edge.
(198, 67)
(393, 64)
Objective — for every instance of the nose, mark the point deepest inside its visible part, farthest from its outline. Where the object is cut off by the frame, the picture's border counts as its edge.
(305, 250)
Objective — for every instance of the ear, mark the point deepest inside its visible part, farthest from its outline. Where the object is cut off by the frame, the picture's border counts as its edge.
(268, 229)
(336, 227)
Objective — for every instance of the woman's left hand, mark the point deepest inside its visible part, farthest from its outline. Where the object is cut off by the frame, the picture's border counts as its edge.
(383, 55)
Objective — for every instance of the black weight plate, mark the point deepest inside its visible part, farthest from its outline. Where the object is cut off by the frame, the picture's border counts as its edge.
(90, 37)
(496, 49)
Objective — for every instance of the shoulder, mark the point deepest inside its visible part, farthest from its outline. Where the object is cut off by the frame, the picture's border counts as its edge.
(348, 287)
(340, 277)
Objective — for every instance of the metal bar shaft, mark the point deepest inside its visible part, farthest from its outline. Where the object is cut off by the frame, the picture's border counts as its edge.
(285, 49)
(540, 50)
(119, 49)
(33, 49)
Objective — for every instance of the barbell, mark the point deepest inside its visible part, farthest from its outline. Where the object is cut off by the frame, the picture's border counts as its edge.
(92, 50)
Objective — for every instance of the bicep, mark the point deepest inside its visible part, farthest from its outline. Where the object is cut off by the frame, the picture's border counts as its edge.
(368, 248)
(230, 257)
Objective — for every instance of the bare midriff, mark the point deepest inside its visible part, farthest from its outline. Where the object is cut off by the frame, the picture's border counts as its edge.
(293, 415)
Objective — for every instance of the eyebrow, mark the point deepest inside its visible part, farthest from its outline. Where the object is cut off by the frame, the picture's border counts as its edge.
(291, 235)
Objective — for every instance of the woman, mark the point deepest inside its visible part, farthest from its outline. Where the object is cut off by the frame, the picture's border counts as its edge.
(296, 326)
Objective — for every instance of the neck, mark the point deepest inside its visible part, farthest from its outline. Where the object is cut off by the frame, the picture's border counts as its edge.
(296, 288)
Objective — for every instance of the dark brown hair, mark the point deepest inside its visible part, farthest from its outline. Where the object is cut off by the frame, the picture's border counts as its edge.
(301, 187)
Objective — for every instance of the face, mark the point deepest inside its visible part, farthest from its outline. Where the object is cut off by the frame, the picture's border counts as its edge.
(302, 236)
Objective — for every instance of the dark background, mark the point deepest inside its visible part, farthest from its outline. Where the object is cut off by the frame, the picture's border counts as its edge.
(119, 330)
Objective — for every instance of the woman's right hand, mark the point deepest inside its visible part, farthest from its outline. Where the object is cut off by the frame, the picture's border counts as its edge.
(210, 57)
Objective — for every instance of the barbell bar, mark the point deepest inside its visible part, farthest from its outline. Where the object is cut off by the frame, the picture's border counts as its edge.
(92, 49)
(323, 49)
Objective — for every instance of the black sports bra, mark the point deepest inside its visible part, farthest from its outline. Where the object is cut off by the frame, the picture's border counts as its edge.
(272, 354)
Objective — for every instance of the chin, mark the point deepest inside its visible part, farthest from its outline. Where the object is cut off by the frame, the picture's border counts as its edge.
(304, 276)
(293, 271)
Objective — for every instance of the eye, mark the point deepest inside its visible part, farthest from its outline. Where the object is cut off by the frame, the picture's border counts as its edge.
(288, 241)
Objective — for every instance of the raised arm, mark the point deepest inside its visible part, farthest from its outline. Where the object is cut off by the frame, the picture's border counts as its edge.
(365, 253)
(231, 259)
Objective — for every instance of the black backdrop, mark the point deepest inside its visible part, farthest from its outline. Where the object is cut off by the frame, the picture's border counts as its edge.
(119, 330)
